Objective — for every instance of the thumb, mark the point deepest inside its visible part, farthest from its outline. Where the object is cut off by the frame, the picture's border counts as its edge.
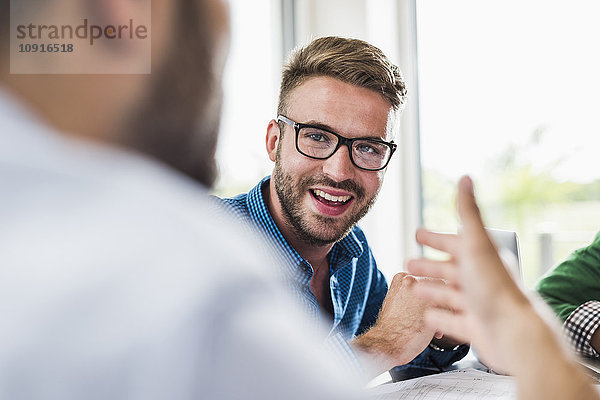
(468, 211)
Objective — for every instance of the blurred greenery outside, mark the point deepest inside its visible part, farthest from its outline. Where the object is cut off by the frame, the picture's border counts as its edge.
(515, 196)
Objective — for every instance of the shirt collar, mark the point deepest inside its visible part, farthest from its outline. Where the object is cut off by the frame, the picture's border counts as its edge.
(348, 248)
(343, 251)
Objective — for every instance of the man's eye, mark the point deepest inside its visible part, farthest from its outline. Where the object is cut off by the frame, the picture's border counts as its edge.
(367, 149)
(317, 137)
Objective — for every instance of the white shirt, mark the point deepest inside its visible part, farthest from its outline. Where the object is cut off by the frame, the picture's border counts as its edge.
(117, 280)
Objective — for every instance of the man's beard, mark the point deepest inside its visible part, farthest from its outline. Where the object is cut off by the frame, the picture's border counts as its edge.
(178, 123)
(329, 230)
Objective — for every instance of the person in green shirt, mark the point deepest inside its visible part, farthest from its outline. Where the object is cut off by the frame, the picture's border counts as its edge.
(572, 289)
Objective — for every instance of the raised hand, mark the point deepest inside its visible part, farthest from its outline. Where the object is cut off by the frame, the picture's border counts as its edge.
(468, 312)
(489, 308)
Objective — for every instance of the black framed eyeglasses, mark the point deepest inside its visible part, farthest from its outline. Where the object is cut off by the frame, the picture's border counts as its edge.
(370, 154)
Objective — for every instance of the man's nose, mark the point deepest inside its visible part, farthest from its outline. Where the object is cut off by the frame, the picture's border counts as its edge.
(339, 167)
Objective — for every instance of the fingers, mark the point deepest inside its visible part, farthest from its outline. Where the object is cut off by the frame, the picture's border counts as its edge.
(477, 245)
(468, 210)
(440, 295)
(445, 270)
(446, 321)
(440, 241)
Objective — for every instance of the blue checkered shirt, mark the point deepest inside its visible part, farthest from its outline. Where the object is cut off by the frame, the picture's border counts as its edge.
(358, 288)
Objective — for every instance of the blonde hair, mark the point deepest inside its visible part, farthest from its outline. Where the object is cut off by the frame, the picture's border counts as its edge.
(352, 61)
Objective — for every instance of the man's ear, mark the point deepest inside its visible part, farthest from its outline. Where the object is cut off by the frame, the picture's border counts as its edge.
(272, 140)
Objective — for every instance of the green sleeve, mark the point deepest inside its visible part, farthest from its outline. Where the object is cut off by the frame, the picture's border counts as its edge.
(573, 282)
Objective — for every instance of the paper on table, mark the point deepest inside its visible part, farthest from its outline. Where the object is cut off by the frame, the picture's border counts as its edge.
(463, 384)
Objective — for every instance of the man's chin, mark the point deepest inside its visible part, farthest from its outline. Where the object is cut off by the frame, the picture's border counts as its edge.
(329, 235)
(319, 241)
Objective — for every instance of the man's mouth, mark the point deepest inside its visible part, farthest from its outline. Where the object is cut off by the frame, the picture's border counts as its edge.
(330, 199)
(330, 204)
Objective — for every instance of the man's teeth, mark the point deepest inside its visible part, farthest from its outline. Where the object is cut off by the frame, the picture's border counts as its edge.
(327, 196)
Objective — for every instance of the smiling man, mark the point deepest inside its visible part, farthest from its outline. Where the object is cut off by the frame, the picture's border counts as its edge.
(331, 142)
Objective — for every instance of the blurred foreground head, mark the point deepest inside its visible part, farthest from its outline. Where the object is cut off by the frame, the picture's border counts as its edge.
(171, 113)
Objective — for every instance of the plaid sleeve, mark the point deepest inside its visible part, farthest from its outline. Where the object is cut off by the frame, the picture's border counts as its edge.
(581, 325)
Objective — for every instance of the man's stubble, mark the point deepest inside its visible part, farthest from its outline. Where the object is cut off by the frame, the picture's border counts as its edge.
(290, 195)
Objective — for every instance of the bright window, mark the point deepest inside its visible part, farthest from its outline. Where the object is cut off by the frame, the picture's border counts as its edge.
(509, 94)
(250, 84)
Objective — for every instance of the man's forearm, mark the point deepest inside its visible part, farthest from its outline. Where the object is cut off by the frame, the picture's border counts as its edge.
(372, 349)
(399, 333)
